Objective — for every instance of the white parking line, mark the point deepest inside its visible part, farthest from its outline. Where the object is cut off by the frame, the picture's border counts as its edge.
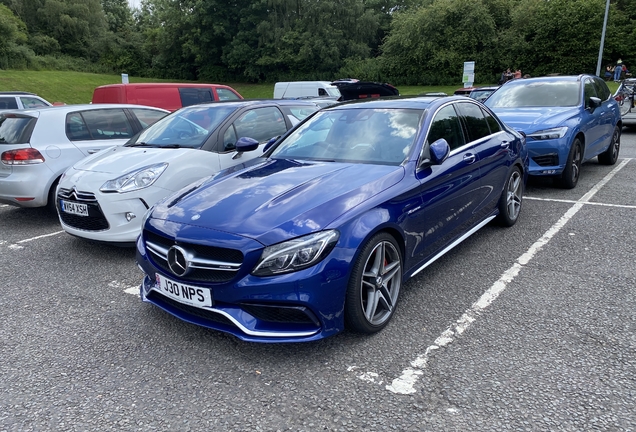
(573, 202)
(17, 244)
(405, 384)
(133, 290)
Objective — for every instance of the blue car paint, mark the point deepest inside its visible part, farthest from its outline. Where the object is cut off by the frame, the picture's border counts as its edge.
(593, 127)
(268, 201)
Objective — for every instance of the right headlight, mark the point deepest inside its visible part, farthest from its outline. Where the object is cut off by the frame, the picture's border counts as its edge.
(135, 180)
(547, 134)
(296, 254)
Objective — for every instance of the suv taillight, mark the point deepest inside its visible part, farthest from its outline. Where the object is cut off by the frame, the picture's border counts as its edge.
(26, 156)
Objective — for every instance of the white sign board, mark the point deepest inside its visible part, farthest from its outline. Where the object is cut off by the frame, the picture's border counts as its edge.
(124, 78)
(468, 77)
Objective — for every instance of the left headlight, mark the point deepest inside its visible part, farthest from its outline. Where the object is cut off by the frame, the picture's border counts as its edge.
(546, 134)
(296, 254)
(134, 180)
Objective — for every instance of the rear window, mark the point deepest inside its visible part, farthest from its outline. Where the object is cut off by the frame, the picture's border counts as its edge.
(8, 103)
(16, 129)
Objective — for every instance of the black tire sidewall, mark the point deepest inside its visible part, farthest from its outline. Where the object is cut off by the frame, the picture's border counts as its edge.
(504, 218)
(566, 176)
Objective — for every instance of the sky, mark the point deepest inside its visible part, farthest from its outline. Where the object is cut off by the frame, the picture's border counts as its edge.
(134, 3)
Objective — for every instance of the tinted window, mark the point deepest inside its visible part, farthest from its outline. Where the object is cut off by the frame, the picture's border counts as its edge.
(475, 121)
(589, 91)
(492, 122)
(31, 102)
(16, 129)
(527, 93)
(363, 135)
(601, 89)
(108, 124)
(446, 125)
(225, 94)
(147, 117)
(193, 96)
(76, 129)
(261, 124)
(229, 138)
(8, 103)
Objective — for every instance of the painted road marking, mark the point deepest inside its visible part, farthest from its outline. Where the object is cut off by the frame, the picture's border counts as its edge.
(574, 202)
(17, 245)
(405, 384)
(133, 290)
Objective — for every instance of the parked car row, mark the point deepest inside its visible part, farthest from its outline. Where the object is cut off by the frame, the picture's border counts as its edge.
(278, 221)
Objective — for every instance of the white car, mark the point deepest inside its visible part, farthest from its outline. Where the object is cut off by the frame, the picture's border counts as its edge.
(104, 197)
(37, 145)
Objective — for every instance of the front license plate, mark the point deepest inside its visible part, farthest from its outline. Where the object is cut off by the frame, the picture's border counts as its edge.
(74, 208)
(191, 295)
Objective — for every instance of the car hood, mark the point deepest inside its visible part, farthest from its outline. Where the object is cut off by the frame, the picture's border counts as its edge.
(535, 118)
(121, 160)
(278, 199)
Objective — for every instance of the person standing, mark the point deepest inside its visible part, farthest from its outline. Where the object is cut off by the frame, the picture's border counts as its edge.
(618, 70)
(518, 73)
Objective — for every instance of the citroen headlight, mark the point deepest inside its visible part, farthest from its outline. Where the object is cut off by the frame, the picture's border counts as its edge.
(296, 254)
(135, 180)
(547, 134)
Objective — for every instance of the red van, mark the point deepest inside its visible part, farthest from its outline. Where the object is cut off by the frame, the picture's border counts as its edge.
(170, 96)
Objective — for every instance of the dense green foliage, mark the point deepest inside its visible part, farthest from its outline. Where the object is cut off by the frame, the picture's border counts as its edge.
(406, 42)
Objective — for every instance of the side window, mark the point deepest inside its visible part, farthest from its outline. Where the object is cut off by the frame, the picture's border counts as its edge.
(8, 103)
(147, 117)
(492, 122)
(229, 138)
(76, 129)
(205, 95)
(108, 124)
(589, 91)
(31, 102)
(475, 121)
(225, 94)
(601, 89)
(322, 92)
(261, 124)
(446, 125)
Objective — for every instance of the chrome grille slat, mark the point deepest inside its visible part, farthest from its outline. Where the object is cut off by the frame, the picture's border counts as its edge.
(76, 195)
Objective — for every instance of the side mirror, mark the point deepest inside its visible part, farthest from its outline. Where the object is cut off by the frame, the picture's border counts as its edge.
(245, 144)
(270, 143)
(439, 151)
(595, 103)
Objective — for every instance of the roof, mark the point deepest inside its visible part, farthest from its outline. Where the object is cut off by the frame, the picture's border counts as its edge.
(162, 84)
(78, 107)
(419, 102)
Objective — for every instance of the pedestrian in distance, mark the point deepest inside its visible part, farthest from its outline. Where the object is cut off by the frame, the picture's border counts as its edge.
(618, 70)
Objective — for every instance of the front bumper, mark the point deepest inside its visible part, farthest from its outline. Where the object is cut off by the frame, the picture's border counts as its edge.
(108, 221)
(547, 157)
(296, 307)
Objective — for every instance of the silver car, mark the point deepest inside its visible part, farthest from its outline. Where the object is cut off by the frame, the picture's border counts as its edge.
(38, 145)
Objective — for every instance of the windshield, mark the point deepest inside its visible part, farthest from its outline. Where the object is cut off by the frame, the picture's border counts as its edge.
(523, 93)
(377, 136)
(16, 129)
(188, 127)
(333, 91)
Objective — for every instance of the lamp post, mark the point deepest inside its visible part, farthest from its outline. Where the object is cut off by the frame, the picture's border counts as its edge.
(600, 50)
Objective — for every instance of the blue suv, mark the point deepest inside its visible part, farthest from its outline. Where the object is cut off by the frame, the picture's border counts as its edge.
(566, 119)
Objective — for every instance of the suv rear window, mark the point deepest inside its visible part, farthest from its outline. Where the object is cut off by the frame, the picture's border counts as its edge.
(16, 129)
(8, 103)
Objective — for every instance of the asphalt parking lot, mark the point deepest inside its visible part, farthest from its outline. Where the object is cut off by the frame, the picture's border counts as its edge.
(527, 328)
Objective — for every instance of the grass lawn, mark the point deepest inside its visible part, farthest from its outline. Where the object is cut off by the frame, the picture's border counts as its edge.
(77, 87)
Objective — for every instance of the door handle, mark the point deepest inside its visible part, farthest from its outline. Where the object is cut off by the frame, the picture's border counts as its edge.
(92, 151)
(469, 158)
(504, 144)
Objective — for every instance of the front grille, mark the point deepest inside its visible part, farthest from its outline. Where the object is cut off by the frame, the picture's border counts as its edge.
(546, 160)
(281, 314)
(95, 221)
(190, 310)
(207, 264)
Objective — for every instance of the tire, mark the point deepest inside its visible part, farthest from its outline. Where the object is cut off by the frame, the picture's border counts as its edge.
(511, 199)
(625, 103)
(374, 286)
(50, 204)
(570, 176)
(610, 156)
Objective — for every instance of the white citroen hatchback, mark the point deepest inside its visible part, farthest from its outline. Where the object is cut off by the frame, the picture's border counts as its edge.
(104, 197)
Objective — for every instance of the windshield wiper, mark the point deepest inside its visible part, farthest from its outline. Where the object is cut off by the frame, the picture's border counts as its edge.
(139, 144)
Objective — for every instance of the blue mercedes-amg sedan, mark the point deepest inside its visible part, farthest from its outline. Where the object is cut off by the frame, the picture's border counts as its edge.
(567, 121)
(321, 232)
